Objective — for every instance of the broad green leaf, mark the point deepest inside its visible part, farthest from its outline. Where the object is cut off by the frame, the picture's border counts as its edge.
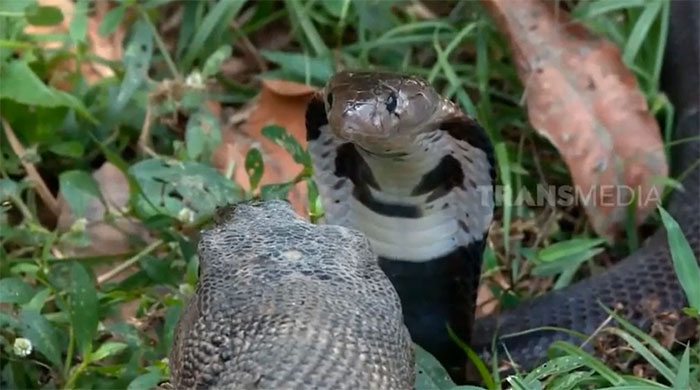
(39, 300)
(77, 187)
(281, 137)
(275, 191)
(254, 167)
(145, 381)
(111, 20)
(137, 59)
(8, 188)
(172, 185)
(684, 260)
(15, 290)
(21, 84)
(202, 135)
(78, 24)
(83, 308)
(42, 334)
(72, 149)
(568, 248)
(107, 349)
(430, 374)
(214, 62)
(38, 15)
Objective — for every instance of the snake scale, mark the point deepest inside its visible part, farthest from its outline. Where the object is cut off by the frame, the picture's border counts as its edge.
(395, 160)
(281, 303)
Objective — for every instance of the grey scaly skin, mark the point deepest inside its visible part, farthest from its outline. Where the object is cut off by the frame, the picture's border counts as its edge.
(404, 165)
(284, 304)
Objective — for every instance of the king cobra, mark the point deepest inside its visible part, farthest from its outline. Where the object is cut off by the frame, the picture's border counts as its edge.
(397, 161)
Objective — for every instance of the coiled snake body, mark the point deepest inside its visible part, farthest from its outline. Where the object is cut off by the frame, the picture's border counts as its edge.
(395, 160)
(281, 303)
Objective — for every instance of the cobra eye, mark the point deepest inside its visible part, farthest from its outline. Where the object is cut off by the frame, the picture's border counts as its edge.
(391, 103)
(329, 99)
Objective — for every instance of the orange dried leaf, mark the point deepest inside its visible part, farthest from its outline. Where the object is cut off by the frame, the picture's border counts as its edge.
(583, 98)
(281, 103)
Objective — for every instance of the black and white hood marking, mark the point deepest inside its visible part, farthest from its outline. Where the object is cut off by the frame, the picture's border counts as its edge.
(421, 202)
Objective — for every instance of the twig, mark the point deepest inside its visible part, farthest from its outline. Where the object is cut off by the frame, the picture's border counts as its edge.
(145, 136)
(123, 266)
(248, 47)
(41, 187)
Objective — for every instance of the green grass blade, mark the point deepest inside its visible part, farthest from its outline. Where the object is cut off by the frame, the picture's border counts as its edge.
(652, 342)
(300, 14)
(640, 31)
(682, 379)
(228, 8)
(590, 361)
(644, 352)
(684, 260)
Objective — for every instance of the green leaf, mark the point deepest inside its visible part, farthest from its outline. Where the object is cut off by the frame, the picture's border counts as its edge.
(78, 25)
(254, 167)
(111, 20)
(684, 260)
(15, 290)
(301, 66)
(72, 149)
(21, 84)
(107, 349)
(38, 15)
(173, 185)
(275, 191)
(42, 334)
(567, 248)
(214, 62)
(8, 188)
(281, 137)
(83, 308)
(430, 374)
(77, 187)
(202, 135)
(137, 60)
(145, 381)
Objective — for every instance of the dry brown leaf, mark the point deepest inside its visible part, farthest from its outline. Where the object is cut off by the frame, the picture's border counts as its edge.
(587, 103)
(281, 103)
(106, 238)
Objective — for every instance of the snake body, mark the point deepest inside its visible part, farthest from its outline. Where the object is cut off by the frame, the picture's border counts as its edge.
(397, 161)
(281, 303)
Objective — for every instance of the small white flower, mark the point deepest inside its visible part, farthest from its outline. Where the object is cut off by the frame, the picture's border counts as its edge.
(79, 225)
(194, 80)
(186, 215)
(22, 347)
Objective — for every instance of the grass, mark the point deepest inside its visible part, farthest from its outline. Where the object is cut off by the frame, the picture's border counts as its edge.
(106, 320)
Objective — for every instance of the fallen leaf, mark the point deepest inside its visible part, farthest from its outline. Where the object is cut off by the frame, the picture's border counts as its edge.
(108, 48)
(106, 238)
(583, 98)
(281, 103)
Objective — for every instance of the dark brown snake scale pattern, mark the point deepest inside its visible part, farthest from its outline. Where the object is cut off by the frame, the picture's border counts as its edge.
(282, 303)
